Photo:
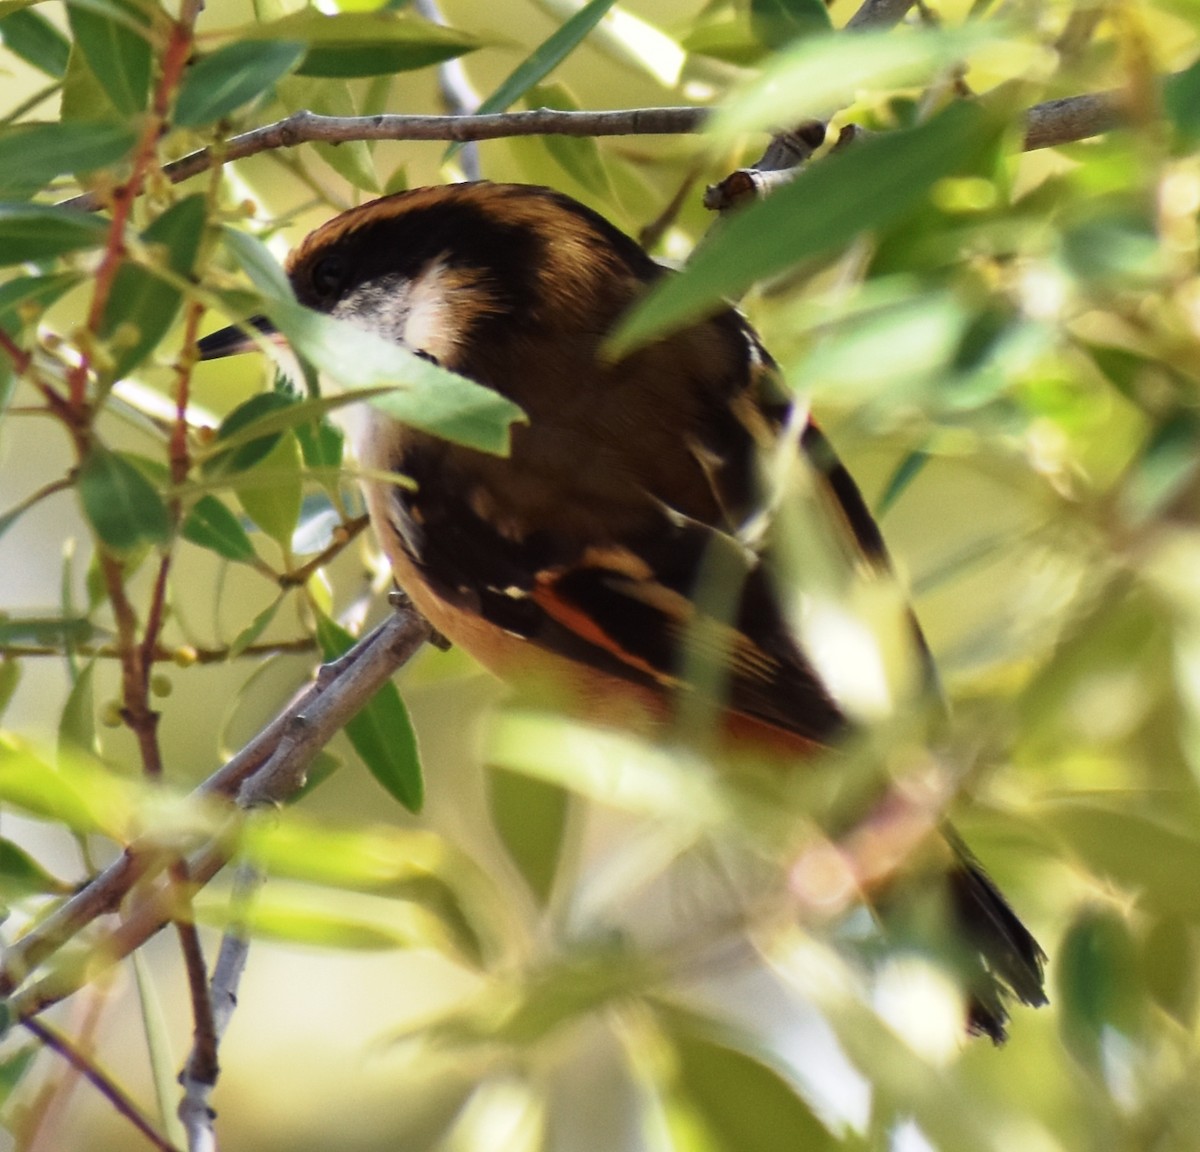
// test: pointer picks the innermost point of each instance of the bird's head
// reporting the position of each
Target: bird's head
(449, 271)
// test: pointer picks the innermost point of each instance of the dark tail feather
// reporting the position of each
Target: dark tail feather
(1002, 957)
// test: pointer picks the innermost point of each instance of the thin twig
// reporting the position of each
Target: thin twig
(186, 655)
(200, 1073)
(276, 760)
(108, 1088)
(343, 535)
(879, 14)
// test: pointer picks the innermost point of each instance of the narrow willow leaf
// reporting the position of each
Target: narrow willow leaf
(365, 43)
(300, 914)
(142, 301)
(77, 725)
(37, 292)
(29, 35)
(578, 156)
(42, 231)
(13, 1069)
(245, 436)
(254, 629)
(779, 22)
(1181, 98)
(32, 155)
(10, 677)
(219, 84)
(117, 49)
(905, 473)
(210, 524)
(163, 1065)
(45, 629)
(381, 733)
(81, 795)
(353, 160)
(271, 493)
(124, 509)
(257, 262)
(423, 395)
(826, 206)
(825, 72)
(543, 60)
(22, 875)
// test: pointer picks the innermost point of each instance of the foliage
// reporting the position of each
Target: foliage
(587, 942)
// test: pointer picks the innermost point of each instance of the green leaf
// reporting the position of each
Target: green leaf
(1098, 985)
(1181, 98)
(271, 492)
(353, 160)
(336, 919)
(22, 875)
(543, 60)
(578, 156)
(210, 524)
(32, 155)
(114, 41)
(141, 300)
(254, 629)
(826, 206)
(256, 261)
(10, 677)
(43, 231)
(77, 726)
(222, 82)
(779, 22)
(45, 629)
(365, 43)
(29, 35)
(13, 1069)
(905, 473)
(742, 1102)
(163, 1065)
(424, 395)
(826, 72)
(249, 433)
(124, 509)
(530, 816)
(36, 292)
(381, 733)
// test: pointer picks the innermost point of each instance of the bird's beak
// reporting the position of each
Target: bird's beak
(236, 339)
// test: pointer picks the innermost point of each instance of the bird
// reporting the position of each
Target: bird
(576, 561)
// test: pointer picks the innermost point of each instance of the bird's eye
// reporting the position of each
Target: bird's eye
(326, 276)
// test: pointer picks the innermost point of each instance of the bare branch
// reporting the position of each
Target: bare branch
(268, 769)
(1070, 119)
(108, 1088)
(458, 94)
(879, 13)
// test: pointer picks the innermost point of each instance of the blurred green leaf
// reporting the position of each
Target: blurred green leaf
(742, 1102)
(365, 43)
(353, 160)
(778, 22)
(244, 436)
(1170, 967)
(32, 155)
(1181, 98)
(163, 1065)
(578, 156)
(114, 38)
(1167, 466)
(299, 914)
(21, 875)
(77, 726)
(256, 261)
(255, 628)
(36, 292)
(142, 301)
(42, 231)
(218, 84)
(210, 524)
(530, 816)
(909, 468)
(825, 72)
(10, 678)
(825, 206)
(122, 506)
(381, 732)
(33, 629)
(29, 35)
(13, 1068)
(542, 60)
(322, 443)
(1098, 986)
(77, 793)
(271, 491)
(424, 395)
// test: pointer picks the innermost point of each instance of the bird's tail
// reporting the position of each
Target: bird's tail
(955, 909)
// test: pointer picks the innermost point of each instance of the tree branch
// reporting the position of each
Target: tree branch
(267, 770)
(879, 14)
